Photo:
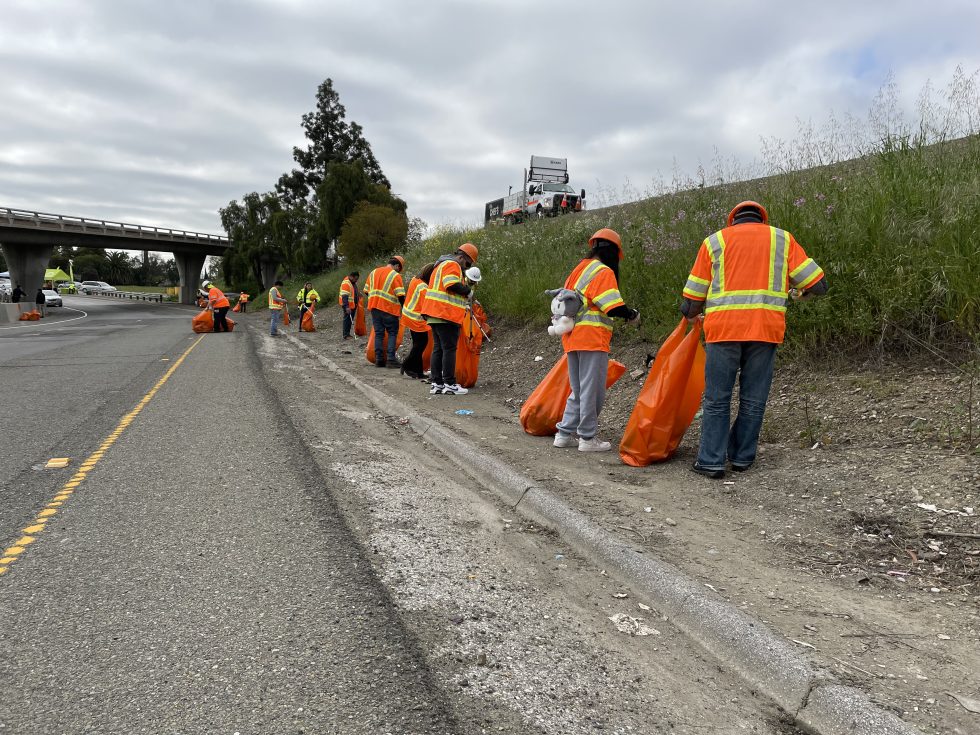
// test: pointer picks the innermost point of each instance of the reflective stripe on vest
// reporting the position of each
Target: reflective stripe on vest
(346, 289)
(772, 298)
(448, 305)
(593, 316)
(384, 292)
(411, 308)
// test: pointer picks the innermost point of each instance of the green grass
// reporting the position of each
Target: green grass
(897, 230)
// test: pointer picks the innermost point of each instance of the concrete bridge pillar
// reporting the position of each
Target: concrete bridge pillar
(269, 269)
(27, 263)
(189, 267)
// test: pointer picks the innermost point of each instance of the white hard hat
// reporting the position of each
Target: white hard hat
(206, 284)
(473, 274)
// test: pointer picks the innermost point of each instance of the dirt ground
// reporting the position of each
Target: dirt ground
(855, 535)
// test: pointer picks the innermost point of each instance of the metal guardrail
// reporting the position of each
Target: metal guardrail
(132, 295)
(10, 217)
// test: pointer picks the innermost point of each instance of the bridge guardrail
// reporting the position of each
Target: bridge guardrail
(132, 295)
(46, 221)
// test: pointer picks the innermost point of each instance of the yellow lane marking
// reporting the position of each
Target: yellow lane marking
(13, 552)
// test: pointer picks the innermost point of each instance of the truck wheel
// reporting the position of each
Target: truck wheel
(539, 213)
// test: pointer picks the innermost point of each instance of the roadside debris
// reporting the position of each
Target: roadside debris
(970, 705)
(633, 626)
(464, 412)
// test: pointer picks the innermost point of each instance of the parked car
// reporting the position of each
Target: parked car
(90, 287)
(51, 298)
(67, 286)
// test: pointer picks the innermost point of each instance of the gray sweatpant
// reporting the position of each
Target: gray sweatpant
(587, 375)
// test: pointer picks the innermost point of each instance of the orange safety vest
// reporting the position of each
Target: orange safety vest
(243, 298)
(217, 299)
(441, 303)
(347, 289)
(273, 295)
(383, 287)
(600, 291)
(743, 274)
(411, 316)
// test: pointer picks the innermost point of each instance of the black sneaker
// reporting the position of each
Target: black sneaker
(379, 364)
(741, 467)
(396, 363)
(713, 474)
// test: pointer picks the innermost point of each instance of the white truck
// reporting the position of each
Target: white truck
(544, 193)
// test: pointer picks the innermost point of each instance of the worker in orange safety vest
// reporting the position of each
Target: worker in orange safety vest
(243, 301)
(219, 304)
(348, 298)
(412, 366)
(586, 346)
(386, 294)
(739, 285)
(444, 308)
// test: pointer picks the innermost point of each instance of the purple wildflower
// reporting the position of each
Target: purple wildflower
(821, 197)
(830, 209)
(799, 202)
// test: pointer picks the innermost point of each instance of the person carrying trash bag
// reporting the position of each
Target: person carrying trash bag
(242, 304)
(277, 308)
(445, 308)
(306, 297)
(219, 304)
(739, 284)
(348, 297)
(586, 346)
(386, 294)
(414, 366)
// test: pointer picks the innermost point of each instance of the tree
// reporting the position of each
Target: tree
(118, 268)
(254, 239)
(372, 230)
(331, 139)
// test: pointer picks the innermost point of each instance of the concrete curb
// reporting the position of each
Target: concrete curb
(765, 660)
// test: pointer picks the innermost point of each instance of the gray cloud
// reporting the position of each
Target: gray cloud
(161, 113)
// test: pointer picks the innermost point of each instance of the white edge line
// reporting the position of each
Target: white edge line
(48, 324)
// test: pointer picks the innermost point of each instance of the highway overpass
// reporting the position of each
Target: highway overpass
(28, 239)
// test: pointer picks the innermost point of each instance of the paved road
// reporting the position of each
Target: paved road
(198, 579)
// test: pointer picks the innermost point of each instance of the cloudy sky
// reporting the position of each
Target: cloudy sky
(162, 112)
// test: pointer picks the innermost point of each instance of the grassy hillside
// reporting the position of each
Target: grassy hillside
(897, 231)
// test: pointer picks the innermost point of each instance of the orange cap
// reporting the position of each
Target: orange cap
(470, 250)
(611, 235)
(400, 259)
(748, 204)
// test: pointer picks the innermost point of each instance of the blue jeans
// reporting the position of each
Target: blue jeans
(753, 363)
(276, 317)
(384, 322)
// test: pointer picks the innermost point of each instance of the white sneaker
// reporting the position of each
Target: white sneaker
(436, 389)
(454, 390)
(564, 440)
(593, 445)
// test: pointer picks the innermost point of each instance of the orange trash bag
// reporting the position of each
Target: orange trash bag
(668, 400)
(30, 316)
(203, 322)
(543, 409)
(369, 350)
(285, 315)
(238, 307)
(360, 326)
(468, 351)
(307, 324)
(231, 323)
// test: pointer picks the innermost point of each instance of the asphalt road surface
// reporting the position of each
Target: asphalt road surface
(239, 545)
(196, 579)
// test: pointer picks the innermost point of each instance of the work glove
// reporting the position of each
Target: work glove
(635, 319)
